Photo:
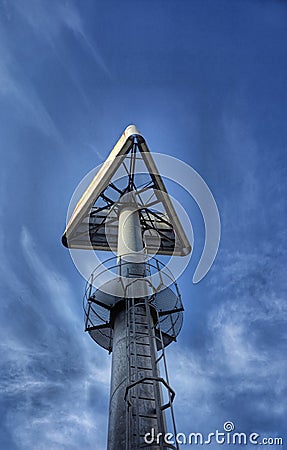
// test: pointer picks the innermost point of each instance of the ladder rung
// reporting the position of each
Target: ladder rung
(140, 397)
(140, 367)
(142, 333)
(148, 416)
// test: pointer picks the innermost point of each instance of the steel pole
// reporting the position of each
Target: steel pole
(131, 265)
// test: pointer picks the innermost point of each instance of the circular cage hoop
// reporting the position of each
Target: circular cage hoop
(163, 298)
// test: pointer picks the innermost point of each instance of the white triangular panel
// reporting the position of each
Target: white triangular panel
(95, 227)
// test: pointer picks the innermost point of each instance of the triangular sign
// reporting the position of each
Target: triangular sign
(129, 167)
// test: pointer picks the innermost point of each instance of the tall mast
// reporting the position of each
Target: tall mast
(132, 305)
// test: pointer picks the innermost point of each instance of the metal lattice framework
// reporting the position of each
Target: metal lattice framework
(98, 228)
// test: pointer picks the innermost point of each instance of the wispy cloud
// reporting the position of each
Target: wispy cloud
(54, 382)
(70, 17)
(43, 25)
(49, 20)
(16, 89)
(238, 371)
(53, 285)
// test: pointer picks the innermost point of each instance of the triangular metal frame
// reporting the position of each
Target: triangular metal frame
(86, 227)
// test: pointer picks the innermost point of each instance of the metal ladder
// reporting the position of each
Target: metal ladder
(146, 407)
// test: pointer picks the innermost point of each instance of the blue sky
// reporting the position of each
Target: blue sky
(205, 81)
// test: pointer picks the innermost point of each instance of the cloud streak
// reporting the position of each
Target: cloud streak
(55, 379)
(16, 90)
(49, 20)
(238, 371)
